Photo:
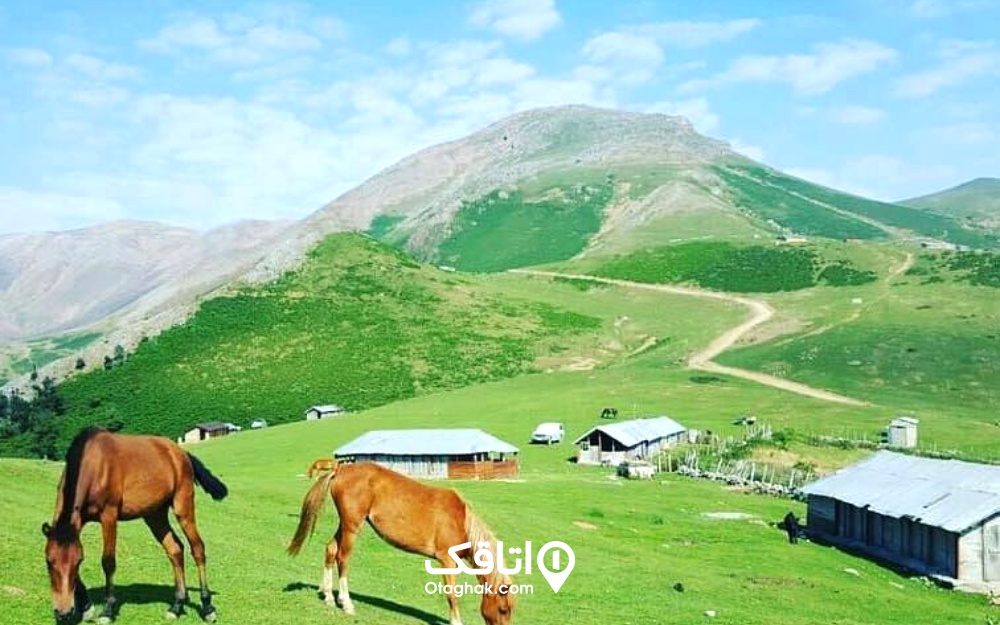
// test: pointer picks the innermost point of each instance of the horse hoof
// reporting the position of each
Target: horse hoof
(104, 620)
(330, 602)
(171, 616)
(349, 608)
(88, 614)
(211, 617)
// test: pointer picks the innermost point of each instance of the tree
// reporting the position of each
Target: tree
(34, 373)
(47, 397)
(119, 355)
(108, 363)
(80, 364)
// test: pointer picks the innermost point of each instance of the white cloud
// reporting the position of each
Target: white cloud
(951, 48)
(952, 72)
(400, 46)
(808, 74)
(959, 135)
(746, 149)
(94, 68)
(43, 210)
(856, 114)
(502, 71)
(526, 20)
(621, 46)
(931, 9)
(30, 57)
(244, 39)
(881, 177)
(696, 110)
(200, 33)
(688, 34)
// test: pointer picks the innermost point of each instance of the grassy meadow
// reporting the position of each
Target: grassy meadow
(633, 541)
(408, 346)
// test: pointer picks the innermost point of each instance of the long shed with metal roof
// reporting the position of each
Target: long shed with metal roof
(937, 517)
(463, 453)
(639, 438)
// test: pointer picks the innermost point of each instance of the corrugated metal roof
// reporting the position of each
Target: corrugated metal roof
(631, 433)
(426, 442)
(950, 494)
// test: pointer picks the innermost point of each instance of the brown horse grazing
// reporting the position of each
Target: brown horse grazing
(115, 477)
(408, 515)
(321, 465)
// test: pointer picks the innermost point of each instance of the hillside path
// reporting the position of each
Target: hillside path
(702, 360)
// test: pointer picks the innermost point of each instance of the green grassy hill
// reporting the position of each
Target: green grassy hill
(976, 203)
(362, 325)
(927, 341)
(736, 268)
(811, 209)
(359, 325)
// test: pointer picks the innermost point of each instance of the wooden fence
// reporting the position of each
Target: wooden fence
(485, 470)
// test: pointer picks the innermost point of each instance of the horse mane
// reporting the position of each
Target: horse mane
(476, 531)
(63, 531)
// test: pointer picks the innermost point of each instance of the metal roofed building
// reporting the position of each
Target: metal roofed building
(435, 453)
(638, 438)
(314, 413)
(937, 517)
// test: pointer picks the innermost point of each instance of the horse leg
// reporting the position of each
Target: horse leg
(345, 543)
(185, 515)
(327, 586)
(109, 530)
(450, 580)
(159, 525)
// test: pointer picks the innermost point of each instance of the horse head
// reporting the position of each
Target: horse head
(497, 606)
(63, 556)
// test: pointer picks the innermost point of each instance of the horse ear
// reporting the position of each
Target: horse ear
(46, 528)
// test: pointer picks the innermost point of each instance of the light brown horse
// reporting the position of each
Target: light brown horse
(321, 465)
(408, 515)
(115, 477)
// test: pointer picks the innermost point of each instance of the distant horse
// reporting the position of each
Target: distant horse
(116, 477)
(408, 515)
(321, 465)
(609, 413)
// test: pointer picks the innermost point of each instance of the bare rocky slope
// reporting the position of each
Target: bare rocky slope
(54, 282)
(423, 192)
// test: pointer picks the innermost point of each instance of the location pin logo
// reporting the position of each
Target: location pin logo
(560, 568)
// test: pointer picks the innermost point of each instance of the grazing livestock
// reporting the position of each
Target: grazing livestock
(117, 477)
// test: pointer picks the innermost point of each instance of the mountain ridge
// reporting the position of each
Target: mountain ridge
(538, 186)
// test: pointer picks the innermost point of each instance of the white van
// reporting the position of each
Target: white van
(548, 433)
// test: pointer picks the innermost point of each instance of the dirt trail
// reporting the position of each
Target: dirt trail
(703, 359)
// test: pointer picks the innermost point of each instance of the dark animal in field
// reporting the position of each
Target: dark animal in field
(609, 413)
(116, 477)
(792, 527)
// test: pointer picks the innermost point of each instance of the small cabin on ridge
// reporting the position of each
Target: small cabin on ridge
(435, 453)
(205, 431)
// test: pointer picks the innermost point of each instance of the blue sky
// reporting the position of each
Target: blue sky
(203, 113)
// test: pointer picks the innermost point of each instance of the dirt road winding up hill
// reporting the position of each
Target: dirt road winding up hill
(702, 360)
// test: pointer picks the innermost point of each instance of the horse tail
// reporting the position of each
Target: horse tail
(312, 505)
(212, 485)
